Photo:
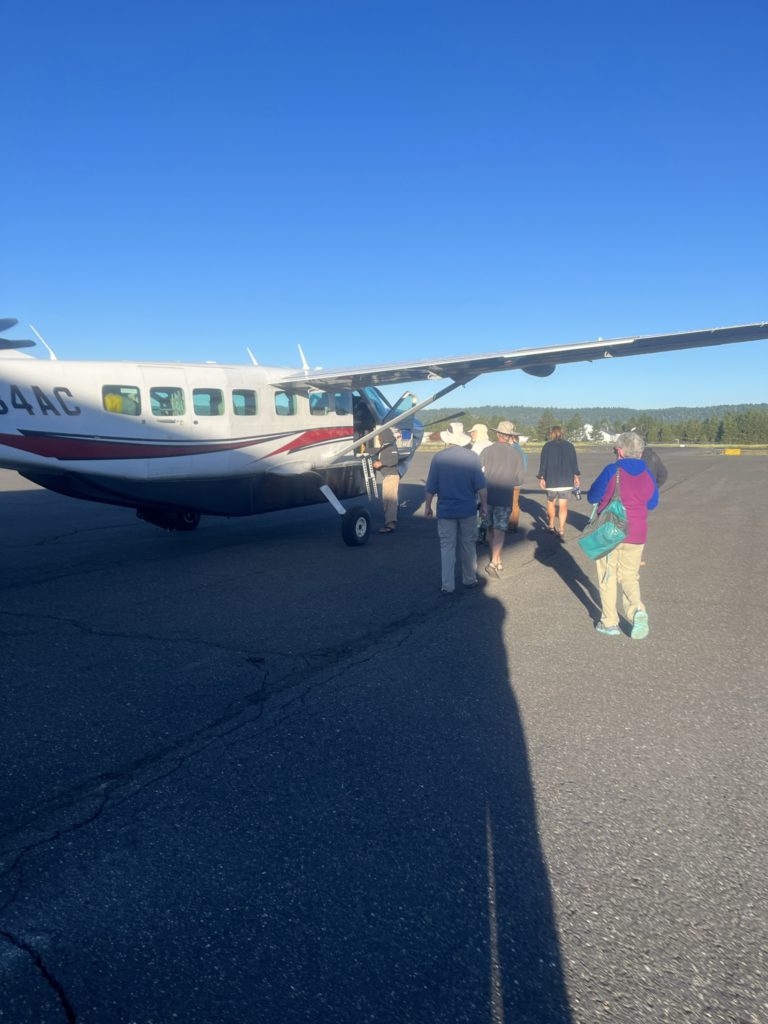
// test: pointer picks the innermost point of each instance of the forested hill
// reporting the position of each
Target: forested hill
(531, 414)
(716, 424)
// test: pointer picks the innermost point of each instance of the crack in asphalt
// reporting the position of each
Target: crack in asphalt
(328, 663)
(131, 635)
(287, 680)
(244, 710)
(47, 974)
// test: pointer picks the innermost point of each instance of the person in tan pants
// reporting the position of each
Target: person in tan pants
(386, 461)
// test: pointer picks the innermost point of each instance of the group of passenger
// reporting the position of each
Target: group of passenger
(475, 474)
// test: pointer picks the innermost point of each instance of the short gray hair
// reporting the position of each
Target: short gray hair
(631, 444)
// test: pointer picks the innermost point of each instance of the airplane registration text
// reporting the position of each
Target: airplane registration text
(16, 399)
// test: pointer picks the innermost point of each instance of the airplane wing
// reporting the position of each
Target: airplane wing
(539, 362)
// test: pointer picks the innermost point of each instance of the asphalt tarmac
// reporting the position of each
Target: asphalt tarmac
(250, 774)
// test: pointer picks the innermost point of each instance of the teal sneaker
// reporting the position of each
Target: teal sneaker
(639, 625)
(608, 630)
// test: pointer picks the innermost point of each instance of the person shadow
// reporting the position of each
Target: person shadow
(404, 873)
(366, 848)
(553, 552)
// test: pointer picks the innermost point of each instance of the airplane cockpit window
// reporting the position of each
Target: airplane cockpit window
(318, 403)
(342, 403)
(121, 398)
(244, 402)
(167, 401)
(285, 403)
(208, 402)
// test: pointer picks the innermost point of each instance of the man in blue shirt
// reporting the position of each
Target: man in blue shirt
(456, 477)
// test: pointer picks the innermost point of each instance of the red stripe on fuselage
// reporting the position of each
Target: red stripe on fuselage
(313, 437)
(59, 446)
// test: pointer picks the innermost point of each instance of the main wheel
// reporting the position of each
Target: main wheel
(356, 526)
(188, 520)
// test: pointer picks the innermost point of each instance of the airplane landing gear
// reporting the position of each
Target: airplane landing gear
(356, 526)
(168, 519)
(355, 523)
(187, 521)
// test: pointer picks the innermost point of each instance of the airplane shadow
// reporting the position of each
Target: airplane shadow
(371, 852)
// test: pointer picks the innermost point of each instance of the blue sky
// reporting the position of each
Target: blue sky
(390, 180)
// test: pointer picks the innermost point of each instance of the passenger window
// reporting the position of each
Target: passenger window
(244, 402)
(167, 401)
(285, 404)
(318, 403)
(342, 401)
(207, 402)
(121, 398)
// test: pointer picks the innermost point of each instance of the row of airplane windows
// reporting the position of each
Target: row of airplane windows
(171, 401)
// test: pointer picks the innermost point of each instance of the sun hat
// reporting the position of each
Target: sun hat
(455, 435)
(505, 427)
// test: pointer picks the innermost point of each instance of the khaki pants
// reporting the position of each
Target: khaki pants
(390, 484)
(463, 532)
(620, 569)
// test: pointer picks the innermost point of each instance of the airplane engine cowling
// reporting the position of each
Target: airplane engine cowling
(540, 370)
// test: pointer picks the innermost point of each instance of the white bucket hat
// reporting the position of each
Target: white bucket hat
(455, 435)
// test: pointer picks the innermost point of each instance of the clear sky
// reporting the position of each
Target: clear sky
(383, 180)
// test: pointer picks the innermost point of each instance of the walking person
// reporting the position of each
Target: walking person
(656, 467)
(386, 461)
(480, 439)
(504, 470)
(652, 459)
(558, 476)
(619, 570)
(456, 478)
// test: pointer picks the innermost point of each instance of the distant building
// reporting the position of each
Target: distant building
(600, 435)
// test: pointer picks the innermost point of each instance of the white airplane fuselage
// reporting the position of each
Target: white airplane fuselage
(212, 439)
(175, 441)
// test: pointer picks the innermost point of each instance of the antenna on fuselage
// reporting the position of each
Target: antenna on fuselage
(51, 353)
(304, 363)
(253, 358)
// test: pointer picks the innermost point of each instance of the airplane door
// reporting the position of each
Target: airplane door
(410, 428)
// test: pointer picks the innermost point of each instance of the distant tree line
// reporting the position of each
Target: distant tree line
(747, 424)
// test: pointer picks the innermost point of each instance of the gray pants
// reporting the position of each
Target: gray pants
(463, 532)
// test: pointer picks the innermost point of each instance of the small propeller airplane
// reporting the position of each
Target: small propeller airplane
(176, 441)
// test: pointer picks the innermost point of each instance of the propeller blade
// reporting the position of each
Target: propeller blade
(445, 419)
(16, 343)
(7, 323)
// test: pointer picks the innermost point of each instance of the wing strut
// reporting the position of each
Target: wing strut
(404, 415)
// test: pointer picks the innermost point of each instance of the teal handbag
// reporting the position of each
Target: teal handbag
(606, 531)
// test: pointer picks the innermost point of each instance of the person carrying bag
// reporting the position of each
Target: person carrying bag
(607, 530)
(623, 494)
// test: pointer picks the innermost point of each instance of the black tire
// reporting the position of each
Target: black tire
(188, 521)
(356, 526)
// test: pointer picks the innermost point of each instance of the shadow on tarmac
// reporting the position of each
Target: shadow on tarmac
(383, 855)
(371, 855)
(553, 553)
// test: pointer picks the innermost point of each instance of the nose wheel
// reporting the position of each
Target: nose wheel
(356, 526)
